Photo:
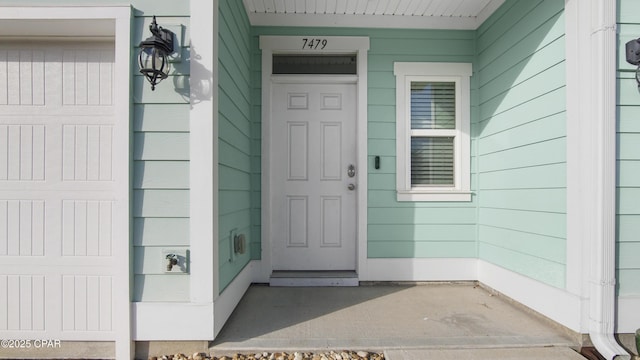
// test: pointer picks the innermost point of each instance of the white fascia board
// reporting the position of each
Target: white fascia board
(65, 12)
(365, 21)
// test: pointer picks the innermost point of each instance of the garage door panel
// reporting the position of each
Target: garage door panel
(67, 75)
(22, 306)
(87, 228)
(87, 152)
(24, 225)
(58, 181)
(87, 77)
(23, 72)
(86, 303)
(22, 152)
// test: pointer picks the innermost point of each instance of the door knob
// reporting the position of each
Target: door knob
(351, 186)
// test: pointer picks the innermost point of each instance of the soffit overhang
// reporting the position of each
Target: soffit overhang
(401, 14)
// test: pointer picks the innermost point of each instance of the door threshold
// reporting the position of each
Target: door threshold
(313, 278)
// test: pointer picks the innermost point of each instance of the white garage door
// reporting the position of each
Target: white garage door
(58, 180)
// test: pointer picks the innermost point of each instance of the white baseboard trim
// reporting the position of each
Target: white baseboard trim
(420, 270)
(188, 321)
(310, 282)
(628, 316)
(230, 297)
(261, 271)
(565, 309)
(171, 321)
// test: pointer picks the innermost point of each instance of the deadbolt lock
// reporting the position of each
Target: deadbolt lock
(351, 171)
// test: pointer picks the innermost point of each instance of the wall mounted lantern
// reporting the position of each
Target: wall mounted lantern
(153, 58)
(633, 56)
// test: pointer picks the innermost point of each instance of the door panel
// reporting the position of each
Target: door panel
(313, 209)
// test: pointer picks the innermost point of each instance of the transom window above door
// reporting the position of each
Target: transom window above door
(432, 131)
(298, 64)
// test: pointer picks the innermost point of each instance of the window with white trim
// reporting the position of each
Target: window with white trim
(432, 131)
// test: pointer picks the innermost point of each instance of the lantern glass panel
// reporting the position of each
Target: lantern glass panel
(153, 59)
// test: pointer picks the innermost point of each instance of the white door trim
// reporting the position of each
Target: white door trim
(335, 44)
(115, 21)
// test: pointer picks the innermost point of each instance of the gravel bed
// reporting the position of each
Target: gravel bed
(327, 355)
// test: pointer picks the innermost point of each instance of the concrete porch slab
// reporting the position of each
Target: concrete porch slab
(401, 318)
(552, 353)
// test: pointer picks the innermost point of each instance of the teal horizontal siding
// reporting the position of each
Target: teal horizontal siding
(536, 131)
(628, 155)
(161, 118)
(424, 230)
(166, 288)
(160, 146)
(541, 269)
(628, 11)
(542, 177)
(536, 199)
(410, 229)
(422, 249)
(422, 233)
(628, 227)
(161, 171)
(548, 152)
(161, 231)
(529, 243)
(552, 102)
(528, 27)
(161, 174)
(235, 142)
(522, 140)
(517, 94)
(161, 203)
(545, 224)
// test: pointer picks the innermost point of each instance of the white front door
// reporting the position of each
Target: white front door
(313, 198)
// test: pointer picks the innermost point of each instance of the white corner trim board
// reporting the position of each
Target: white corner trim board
(203, 152)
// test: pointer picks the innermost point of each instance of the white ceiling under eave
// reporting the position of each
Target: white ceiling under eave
(402, 14)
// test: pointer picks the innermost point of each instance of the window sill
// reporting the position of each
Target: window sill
(420, 195)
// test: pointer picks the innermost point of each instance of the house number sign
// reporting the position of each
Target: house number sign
(314, 44)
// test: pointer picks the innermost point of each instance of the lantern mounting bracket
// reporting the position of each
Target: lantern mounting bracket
(162, 38)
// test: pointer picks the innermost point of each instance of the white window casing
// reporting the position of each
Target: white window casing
(458, 74)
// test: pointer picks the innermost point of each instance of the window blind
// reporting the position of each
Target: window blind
(433, 105)
(432, 161)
